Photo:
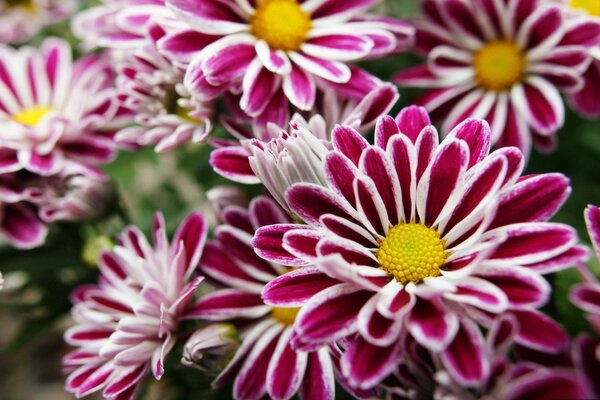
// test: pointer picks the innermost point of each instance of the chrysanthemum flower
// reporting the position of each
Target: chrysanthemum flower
(152, 87)
(126, 324)
(21, 19)
(55, 112)
(409, 234)
(265, 362)
(586, 100)
(421, 374)
(293, 45)
(504, 61)
(231, 159)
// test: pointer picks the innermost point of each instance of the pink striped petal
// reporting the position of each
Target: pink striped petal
(232, 163)
(286, 369)
(295, 288)
(465, 357)
(587, 297)
(531, 323)
(349, 142)
(534, 198)
(481, 294)
(300, 88)
(333, 71)
(366, 365)
(215, 17)
(275, 61)
(476, 133)
(22, 227)
(545, 383)
(523, 287)
(541, 105)
(318, 382)
(229, 303)
(432, 324)
(592, 221)
(376, 328)
(585, 100)
(191, 234)
(411, 121)
(311, 201)
(331, 314)
(268, 244)
(528, 243)
(375, 163)
(338, 46)
(258, 86)
(443, 179)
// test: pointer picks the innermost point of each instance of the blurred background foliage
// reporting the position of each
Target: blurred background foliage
(34, 307)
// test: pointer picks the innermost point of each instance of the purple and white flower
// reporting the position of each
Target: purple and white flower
(414, 235)
(504, 61)
(21, 19)
(127, 323)
(232, 158)
(152, 87)
(291, 47)
(265, 363)
(55, 112)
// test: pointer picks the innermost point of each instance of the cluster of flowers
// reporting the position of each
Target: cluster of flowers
(409, 268)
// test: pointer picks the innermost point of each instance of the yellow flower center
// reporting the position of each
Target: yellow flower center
(592, 7)
(32, 116)
(411, 252)
(285, 315)
(184, 114)
(281, 23)
(499, 65)
(28, 4)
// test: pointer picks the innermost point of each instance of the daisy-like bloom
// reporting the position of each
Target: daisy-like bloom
(118, 24)
(20, 223)
(152, 87)
(586, 100)
(295, 46)
(265, 362)
(231, 159)
(126, 324)
(21, 19)
(412, 234)
(421, 374)
(504, 61)
(55, 112)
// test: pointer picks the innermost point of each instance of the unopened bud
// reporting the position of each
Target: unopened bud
(210, 348)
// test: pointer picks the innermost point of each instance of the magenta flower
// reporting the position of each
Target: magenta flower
(55, 112)
(126, 324)
(20, 20)
(152, 87)
(409, 234)
(586, 100)
(231, 159)
(421, 374)
(268, 45)
(265, 362)
(503, 61)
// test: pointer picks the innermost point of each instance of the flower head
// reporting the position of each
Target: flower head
(292, 47)
(152, 87)
(21, 19)
(504, 61)
(64, 112)
(233, 160)
(412, 234)
(265, 363)
(126, 324)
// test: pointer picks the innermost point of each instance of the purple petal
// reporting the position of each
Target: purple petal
(295, 288)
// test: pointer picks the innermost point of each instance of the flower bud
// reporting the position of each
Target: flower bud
(210, 348)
